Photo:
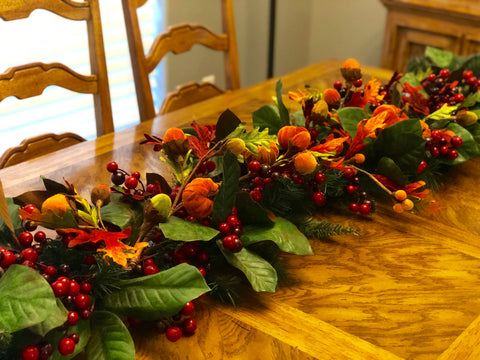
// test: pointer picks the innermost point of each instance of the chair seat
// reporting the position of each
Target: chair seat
(38, 146)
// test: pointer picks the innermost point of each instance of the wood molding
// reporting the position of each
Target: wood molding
(14, 10)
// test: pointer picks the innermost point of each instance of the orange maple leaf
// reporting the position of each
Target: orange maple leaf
(410, 189)
(331, 144)
(114, 248)
(366, 128)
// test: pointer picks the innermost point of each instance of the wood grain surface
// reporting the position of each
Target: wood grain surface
(406, 287)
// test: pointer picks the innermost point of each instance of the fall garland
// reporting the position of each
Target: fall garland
(147, 248)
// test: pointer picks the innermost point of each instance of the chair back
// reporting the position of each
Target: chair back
(30, 80)
(179, 39)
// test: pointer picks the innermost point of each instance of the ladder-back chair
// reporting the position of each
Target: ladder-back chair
(31, 79)
(179, 39)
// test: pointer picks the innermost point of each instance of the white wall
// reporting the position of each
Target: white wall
(307, 31)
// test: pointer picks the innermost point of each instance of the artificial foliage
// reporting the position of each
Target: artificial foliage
(76, 272)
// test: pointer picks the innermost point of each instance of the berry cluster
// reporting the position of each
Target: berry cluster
(262, 178)
(442, 90)
(231, 231)
(130, 182)
(438, 145)
(363, 205)
(402, 202)
(180, 325)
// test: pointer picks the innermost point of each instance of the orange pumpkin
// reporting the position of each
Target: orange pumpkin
(299, 137)
(197, 196)
(305, 163)
(331, 96)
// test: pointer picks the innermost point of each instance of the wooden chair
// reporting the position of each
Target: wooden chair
(30, 80)
(38, 146)
(179, 39)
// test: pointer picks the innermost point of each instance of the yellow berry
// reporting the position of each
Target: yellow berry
(359, 158)
(407, 204)
(398, 208)
(400, 195)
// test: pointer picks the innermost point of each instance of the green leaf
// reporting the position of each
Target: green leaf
(442, 58)
(471, 99)
(54, 187)
(261, 275)
(225, 199)
(6, 237)
(350, 117)
(284, 115)
(181, 230)
(253, 138)
(55, 318)
(82, 329)
(283, 233)
(110, 338)
(26, 299)
(299, 118)
(475, 130)
(123, 214)
(267, 117)
(469, 148)
(387, 167)
(402, 142)
(159, 295)
(227, 122)
(251, 212)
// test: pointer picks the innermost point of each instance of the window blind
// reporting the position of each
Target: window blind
(58, 110)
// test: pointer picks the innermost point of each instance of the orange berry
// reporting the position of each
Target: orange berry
(400, 195)
(359, 158)
(398, 208)
(305, 163)
(407, 204)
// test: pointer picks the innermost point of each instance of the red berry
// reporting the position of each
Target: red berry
(436, 135)
(422, 167)
(178, 254)
(40, 236)
(351, 189)
(444, 73)
(85, 288)
(358, 83)
(337, 85)
(151, 188)
(60, 289)
(190, 249)
(29, 208)
(453, 154)
(112, 167)
(435, 151)
(431, 77)
(298, 179)
(202, 256)
(459, 98)
(136, 175)
(354, 207)
(224, 228)
(228, 242)
(66, 346)
(8, 259)
(29, 254)
(90, 260)
(85, 314)
(472, 80)
(50, 270)
(72, 318)
(258, 182)
(313, 133)
(74, 337)
(318, 197)
(30, 352)
(254, 166)
(189, 326)
(74, 288)
(148, 262)
(131, 182)
(365, 209)
(190, 218)
(256, 195)
(233, 221)
(456, 141)
(210, 165)
(150, 270)
(444, 150)
(25, 238)
(173, 333)
(320, 178)
(348, 173)
(82, 301)
(188, 309)
(467, 74)
(202, 271)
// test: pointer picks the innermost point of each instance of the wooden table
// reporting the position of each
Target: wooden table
(408, 287)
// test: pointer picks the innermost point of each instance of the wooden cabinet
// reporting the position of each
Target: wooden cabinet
(411, 25)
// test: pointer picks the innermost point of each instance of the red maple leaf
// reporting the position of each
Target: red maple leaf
(415, 99)
(200, 144)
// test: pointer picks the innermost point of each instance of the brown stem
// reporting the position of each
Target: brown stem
(374, 179)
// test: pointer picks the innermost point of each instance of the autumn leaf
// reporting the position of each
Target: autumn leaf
(410, 189)
(415, 99)
(200, 144)
(114, 248)
(331, 144)
(366, 128)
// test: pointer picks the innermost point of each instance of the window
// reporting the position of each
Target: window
(59, 110)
